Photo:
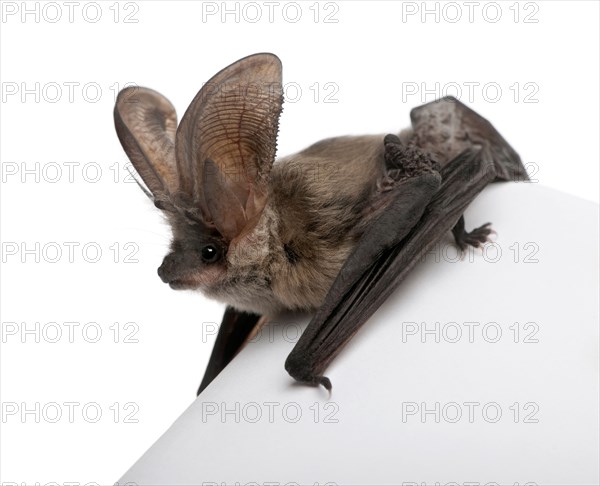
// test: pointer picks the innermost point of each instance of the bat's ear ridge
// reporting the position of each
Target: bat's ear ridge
(146, 124)
(222, 206)
(226, 142)
(231, 216)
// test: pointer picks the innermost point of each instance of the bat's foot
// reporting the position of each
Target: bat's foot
(475, 238)
(300, 370)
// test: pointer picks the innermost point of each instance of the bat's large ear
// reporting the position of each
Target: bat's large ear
(146, 124)
(226, 143)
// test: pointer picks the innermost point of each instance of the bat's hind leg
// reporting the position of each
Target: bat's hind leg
(401, 160)
(474, 238)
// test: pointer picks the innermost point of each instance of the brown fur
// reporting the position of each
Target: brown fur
(317, 199)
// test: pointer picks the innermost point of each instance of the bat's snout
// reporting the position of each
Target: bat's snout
(174, 271)
(185, 270)
(166, 270)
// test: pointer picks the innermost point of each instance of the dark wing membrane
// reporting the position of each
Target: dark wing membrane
(363, 286)
(236, 328)
(146, 124)
(446, 127)
(416, 182)
(233, 123)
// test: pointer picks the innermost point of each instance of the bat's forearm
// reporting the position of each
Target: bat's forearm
(351, 301)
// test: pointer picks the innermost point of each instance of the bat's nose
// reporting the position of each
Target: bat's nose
(163, 274)
(168, 271)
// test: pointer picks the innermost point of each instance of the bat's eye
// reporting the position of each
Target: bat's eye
(210, 254)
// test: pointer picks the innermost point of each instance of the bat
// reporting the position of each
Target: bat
(333, 229)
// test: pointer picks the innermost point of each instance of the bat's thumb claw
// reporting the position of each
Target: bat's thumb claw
(300, 368)
(393, 139)
(326, 382)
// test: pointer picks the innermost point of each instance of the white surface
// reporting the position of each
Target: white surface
(243, 428)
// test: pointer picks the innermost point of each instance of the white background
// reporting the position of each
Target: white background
(374, 56)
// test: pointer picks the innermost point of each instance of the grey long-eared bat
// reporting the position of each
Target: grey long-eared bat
(333, 229)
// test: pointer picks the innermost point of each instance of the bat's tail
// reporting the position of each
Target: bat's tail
(446, 127)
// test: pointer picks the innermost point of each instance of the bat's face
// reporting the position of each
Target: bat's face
(197, 260)
(237, 272)
(209, 173)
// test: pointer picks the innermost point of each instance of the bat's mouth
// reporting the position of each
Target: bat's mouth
(182, 284)
(171, 274)
(175, 271)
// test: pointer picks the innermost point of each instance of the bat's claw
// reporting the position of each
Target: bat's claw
(480, 235)
(300, 369)
(326, 382)
(475, 238)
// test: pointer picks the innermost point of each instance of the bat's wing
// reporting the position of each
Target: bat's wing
(236, 328)
(420, 214)
(471, 154)
(444, 128)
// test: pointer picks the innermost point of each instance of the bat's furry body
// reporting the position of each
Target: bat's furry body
(319, 200)
(334, 228)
